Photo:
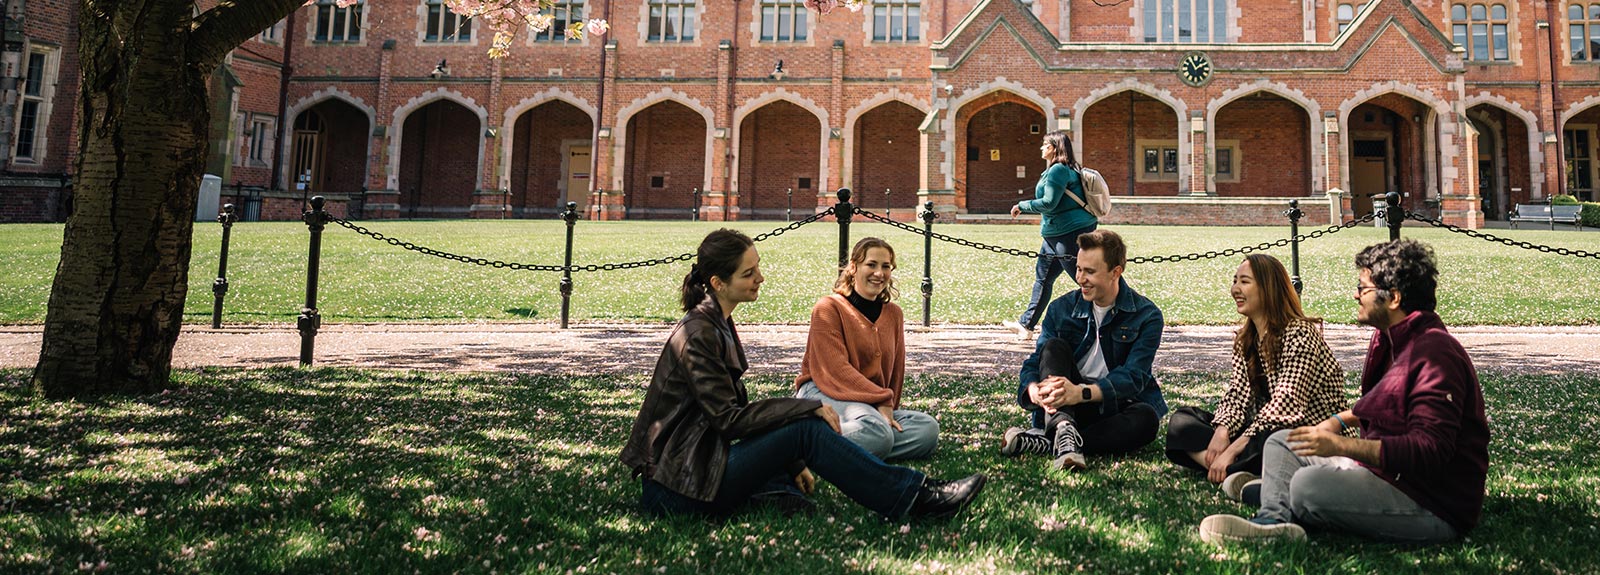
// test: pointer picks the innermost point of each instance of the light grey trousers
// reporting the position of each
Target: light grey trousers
(863, 425)
(1337, 493)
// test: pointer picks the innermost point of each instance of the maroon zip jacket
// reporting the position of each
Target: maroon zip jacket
(1420, 397)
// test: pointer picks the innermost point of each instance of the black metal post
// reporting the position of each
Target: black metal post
(310, 320)
(1394, 214)
(886, 202)
(695, 215)
(788, 212)
(219, 287)
(571, 217)
(842, 212)
(927, 262)
(1294, 214)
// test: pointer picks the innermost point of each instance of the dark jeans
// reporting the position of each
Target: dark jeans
(1190, 429)
(1045, 271)
(760, 462)
(1125, 428)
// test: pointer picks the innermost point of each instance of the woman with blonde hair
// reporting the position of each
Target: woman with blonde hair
(1284, 376)
(855, 360)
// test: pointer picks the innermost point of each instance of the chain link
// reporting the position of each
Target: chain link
(1507, 241)
(497, 264)
(1138, 260)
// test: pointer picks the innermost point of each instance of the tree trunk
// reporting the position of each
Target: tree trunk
(116, 305)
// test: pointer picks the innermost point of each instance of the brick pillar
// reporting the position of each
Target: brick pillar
(382, 198)
(1332, 165)
(489, 201)
(1459, 203)
(932, 169)
(835, 178)
(719, 202)
(1200, 173)
(606, 201)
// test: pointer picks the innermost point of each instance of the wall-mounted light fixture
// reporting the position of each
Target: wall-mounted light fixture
(777, 71)
(605, 132)
(1064, 120)
(948, 90)
(1549, 137)
(720, 133)
(835, 133)
(491, 132)
(440, 71)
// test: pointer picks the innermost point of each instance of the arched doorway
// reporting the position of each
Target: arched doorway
(550, 159)
(439, 160)
(664, 162)
(329, 151)
(887, 149)
(1388, 146)
(1000, 162)
(778, 155)
(1580, 143)
(1503, 163)
(1261, 148)
(1133, 141)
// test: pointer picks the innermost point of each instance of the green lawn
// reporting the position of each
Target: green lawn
(365, 280)
(339, 471)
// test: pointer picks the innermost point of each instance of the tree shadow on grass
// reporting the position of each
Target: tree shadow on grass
(284, 470)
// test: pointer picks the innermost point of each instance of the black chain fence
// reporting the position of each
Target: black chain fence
(497, 264)
(1507, 241)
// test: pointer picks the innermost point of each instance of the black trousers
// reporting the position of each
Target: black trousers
(1126, 427)
(1190, 429)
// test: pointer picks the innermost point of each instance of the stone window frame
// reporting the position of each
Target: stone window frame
(798, 7)
(1462, 24)
(686, 7)
(274, 33)
(869, 23)
(316, 17)
(1235, 161)
(1590, 23)
(1141, 21)
(463, 24)
(1142, 147)
(43, 100)
(1342, 22)
(547, 38)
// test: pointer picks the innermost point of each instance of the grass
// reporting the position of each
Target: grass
(342, 471)
(364, 280)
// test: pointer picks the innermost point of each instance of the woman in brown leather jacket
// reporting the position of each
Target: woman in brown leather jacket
(702, 447)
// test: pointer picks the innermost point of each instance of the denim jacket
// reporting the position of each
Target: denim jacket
(1129, 339)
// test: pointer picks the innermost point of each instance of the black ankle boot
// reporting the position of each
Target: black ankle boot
(939, 498)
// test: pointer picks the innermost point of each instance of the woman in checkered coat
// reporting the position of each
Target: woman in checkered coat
(1284, 376)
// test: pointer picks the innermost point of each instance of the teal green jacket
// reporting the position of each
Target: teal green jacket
(1060, 214)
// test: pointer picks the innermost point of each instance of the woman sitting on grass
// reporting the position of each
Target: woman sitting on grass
(855, 360)
(1284, 376)
(701, 445)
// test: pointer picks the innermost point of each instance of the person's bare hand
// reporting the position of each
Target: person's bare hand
(1015, 211)
(1318, 441)
(1217, 470)
(1219, 443)
(829, 415)
(888, 414)
(805, 481)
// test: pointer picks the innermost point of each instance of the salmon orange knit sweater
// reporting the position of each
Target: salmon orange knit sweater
(852, 359)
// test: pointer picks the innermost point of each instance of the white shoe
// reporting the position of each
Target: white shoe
(1022, 331)
(1220, 529)
(1068, 448)
(1234, 484)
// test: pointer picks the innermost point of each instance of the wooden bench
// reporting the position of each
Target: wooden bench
(1546, 214)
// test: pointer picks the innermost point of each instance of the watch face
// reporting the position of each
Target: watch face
(1195, 69)
(1087, 393)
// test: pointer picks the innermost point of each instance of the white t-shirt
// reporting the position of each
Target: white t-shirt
(1093, 366)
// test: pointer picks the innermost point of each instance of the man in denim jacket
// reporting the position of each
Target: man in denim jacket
(1089, 383)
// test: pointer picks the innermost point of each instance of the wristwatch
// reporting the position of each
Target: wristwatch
(1088, 393)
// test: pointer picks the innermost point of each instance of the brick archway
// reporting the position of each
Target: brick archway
(997, 138)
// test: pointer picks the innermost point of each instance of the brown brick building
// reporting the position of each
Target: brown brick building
(1196, 111)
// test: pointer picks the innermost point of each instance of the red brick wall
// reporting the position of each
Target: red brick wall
(536, 155)
(1274, 147)
(439, 161)
(887, 146)
(992, 185)
(344, 141)
(1187, 214)
(777, 147)
(666, 140)
(1104, 129)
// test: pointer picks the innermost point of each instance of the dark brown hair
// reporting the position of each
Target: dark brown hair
(1061, 144)
(1109, 243)
(847, 275)
(1280, 303)
(718, 256)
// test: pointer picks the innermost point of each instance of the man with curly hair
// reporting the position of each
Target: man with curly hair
(1416, 473)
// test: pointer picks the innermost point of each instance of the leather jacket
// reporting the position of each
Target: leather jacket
(696, 407)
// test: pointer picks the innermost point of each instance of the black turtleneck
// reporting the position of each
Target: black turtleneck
(869, 308)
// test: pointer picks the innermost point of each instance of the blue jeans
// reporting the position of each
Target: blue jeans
(863, 425)
(1047, 269)
(1339, 494)
(759, 461)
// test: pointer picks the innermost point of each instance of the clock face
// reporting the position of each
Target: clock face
(1195, 69)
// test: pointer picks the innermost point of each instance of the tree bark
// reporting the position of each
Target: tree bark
(116, 305)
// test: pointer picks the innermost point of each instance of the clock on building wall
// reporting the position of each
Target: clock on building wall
(1195, 69)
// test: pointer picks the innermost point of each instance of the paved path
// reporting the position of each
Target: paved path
(615, 348)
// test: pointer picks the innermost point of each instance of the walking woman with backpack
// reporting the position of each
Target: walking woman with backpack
(1066, 211)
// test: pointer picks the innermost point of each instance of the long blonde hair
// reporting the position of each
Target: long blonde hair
(1281, 305)
(845, 285)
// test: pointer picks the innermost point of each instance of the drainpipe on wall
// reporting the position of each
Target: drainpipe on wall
(1555, 102)
(283, 100)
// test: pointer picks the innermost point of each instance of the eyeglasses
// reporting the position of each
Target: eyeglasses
(1362, 290)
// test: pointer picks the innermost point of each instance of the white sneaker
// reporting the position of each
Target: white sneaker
(1220, 529)
(1022, 331)
(1234, 484)
(1068, 448)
